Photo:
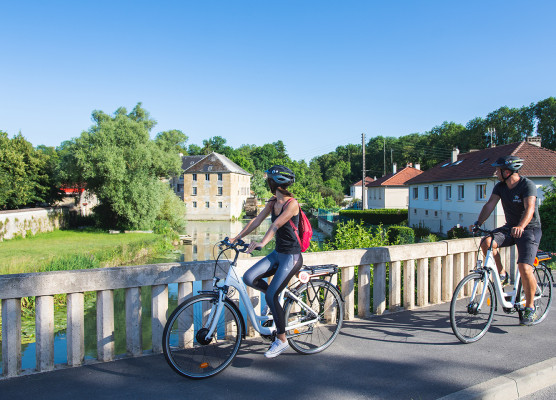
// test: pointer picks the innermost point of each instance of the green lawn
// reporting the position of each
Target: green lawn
(43, 251)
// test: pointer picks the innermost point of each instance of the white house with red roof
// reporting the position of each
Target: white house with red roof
(454, 191)
(356, 188)
(391, 190)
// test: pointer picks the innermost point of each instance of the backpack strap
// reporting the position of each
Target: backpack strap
(295, 228)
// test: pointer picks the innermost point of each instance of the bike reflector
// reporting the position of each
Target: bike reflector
(204, 365)
(304, 276)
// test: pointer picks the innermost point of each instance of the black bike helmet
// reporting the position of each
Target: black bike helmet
(512, 163)
(283, 176)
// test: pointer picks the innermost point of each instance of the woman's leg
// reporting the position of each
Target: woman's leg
(289, 265)
(262, 269)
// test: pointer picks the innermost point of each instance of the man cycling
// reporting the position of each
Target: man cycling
(522, 228)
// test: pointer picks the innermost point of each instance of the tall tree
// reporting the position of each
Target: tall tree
(545, 114)
(122, 166)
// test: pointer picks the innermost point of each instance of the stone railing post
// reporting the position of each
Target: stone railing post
(458, 271)
(379, 288)
(348, 292)
(105, 325)
(159, 311)
(409, 284)
(395, 285)
(75, 329)
(44, 328)
(364, 291)
(11, 337)
(422, 282)
(436, 280)
(133, 316)
(447, 278)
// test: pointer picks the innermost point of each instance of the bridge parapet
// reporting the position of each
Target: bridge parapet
(430, 272)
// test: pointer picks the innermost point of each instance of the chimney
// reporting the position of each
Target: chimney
(534, 140)
(455, 153)
(394, 167)
(418, 166)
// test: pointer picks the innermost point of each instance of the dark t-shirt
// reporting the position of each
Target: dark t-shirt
(512, 202)
(286, 239)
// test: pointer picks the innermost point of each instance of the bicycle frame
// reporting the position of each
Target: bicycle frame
(256, 320)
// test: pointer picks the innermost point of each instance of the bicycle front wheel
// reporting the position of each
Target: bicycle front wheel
(469, 321)
(185, 345)
(326, 302)
(543, 293)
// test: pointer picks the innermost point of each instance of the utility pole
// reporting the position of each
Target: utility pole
(384, 153)
(363, 181)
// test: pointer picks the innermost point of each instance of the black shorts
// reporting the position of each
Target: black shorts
(527, 244)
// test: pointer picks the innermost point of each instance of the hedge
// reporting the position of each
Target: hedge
(401, 234)
(385, 216)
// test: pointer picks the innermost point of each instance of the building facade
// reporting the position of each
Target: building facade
(212, 187)
(391, 190)
(454, 192)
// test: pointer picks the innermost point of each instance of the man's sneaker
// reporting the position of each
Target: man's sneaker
(505, 279)
(276, 348)
(528, 317)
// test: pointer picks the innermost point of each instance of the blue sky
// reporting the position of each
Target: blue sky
(315, 74)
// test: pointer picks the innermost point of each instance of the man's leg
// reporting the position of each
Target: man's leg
(529, 283)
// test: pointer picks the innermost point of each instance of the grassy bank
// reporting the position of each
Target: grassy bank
(74, 249)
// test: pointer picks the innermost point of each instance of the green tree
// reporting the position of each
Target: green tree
(548, 217)
(545, 114)
(123, 167)
(172, 141)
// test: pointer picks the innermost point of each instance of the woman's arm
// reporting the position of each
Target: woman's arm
(255, 222)
(291, 210)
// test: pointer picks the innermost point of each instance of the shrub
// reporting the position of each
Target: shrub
(421, 230)
(430, 238)
(387, 216)
(352, 235)
(458, 232)
(401, 235)
(548, 217)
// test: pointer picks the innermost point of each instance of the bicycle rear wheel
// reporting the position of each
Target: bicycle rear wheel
(469, 322)
(184, 341)
(324, 299)
(543, 293)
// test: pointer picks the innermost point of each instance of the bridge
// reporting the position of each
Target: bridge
(396, 341)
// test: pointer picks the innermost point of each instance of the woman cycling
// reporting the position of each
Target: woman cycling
(286, 260)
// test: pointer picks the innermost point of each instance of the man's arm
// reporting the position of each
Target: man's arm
(529, 204)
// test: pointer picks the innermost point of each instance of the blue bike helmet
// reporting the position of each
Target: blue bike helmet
(283, 176)
(512, 163)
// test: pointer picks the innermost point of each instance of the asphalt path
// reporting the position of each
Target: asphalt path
(403, 355)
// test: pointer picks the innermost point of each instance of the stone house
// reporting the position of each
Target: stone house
(391, 191)
(453, 192)
(212, 186)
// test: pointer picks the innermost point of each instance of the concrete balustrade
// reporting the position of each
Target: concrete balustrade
(418, 275)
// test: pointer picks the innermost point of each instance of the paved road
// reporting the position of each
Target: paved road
(405, 355)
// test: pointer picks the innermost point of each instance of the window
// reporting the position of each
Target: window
(220, 191)
(220, 176)
(194, 177)
(207, 204)
(481, 191)
(436, 213)
(207, 177)
(448, 216)
(435, 193)
(426, 212)
(194, 192)
(461, 217)
(219, 204)
(415, 193)
(414, 211)
(194, 204)
(461, 192)
(426, 192)
(449, 192)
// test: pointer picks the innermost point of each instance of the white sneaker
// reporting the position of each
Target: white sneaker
(276, 348)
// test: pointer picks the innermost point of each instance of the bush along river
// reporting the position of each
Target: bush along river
(204, 236)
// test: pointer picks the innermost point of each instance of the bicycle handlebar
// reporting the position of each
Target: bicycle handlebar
(239, 246)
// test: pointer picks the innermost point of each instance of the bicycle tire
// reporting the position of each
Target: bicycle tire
(183, 342)
(469, 323)
(314, 338)
(543, 295)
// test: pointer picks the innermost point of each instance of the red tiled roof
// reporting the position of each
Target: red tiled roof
(367, 181)
(538, 162)
(398, 179)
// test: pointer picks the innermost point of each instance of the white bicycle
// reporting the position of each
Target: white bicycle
(204, 333)
(478, 294)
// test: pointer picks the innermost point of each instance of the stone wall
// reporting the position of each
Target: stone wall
(30, 221)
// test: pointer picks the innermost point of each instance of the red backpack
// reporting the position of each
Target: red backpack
(303, 231)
